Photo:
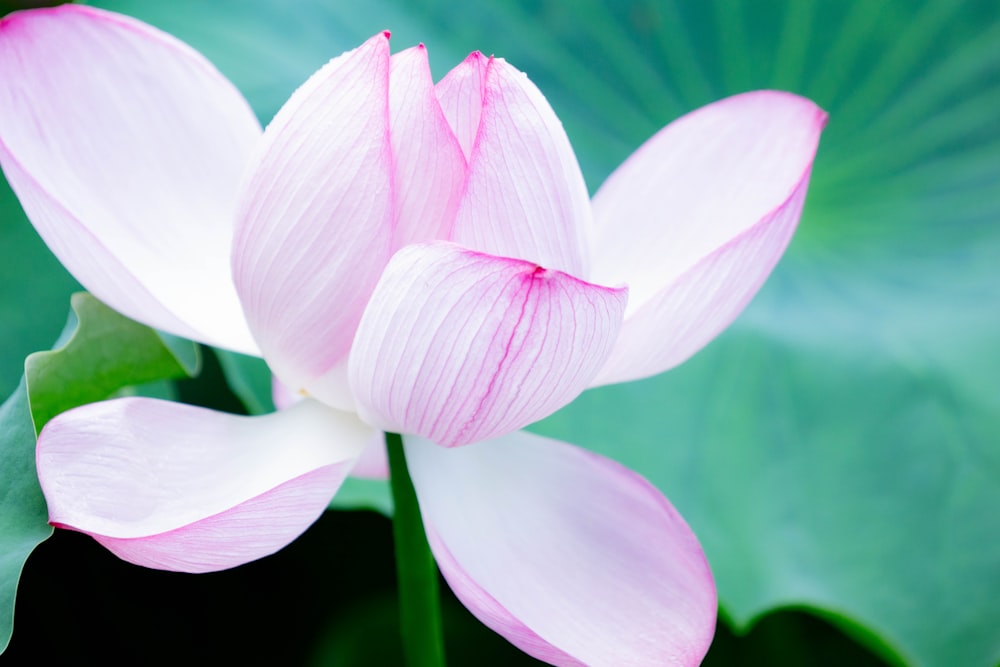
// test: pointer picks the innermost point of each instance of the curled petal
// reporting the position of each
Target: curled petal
(459, 346)
(126, 148)
(695, 220)
(175, 487)
(315, 221)
(573, 558)
(525, 195)
(429, 167)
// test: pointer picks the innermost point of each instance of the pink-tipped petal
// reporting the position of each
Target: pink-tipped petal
(315, 221)
(698, 305)
(695, 220)
(460, 93)
(459, 346)
(525, 195)
(126, 148)
(573, 558)
(177, 487)
(429, 164)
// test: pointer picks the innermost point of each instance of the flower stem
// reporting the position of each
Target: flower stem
(419, 603)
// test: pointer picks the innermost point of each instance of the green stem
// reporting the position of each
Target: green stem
(419, 603)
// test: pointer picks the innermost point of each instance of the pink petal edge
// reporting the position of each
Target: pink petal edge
(252, 529)
(460, 93)
(429, 167)
(174, 486)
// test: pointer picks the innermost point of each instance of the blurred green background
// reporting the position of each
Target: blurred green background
(837, 450)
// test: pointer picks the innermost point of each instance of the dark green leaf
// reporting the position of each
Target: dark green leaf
(363, 494)
(107, 351)
(99, 353)
(23, 517)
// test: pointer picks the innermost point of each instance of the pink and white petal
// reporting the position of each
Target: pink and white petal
(172, 486)
(126, 148)
(525, 196)
(460, 93)
(724, 181)
(459, 346)
(573, 558)
(429, 164)
(251, 530)
(373, 463)
(314, 228)
(282, 396)
(687, 314)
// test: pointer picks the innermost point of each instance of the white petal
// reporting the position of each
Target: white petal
(695, 220)
(570, 556)
(315, 222)
(525, 196)
(178, 487)
(428, 164)
(126, 148)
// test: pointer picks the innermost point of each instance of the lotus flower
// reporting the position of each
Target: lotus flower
(409, 257)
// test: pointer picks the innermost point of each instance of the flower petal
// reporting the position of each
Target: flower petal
(315, 224)
(459, 346)
(695, 220)
(282, 396)
(372, 462)
(573, 558)
(460, 93)
(126, 148)
(429, 164)
(176, 487)
(699, 304)
(525, 196)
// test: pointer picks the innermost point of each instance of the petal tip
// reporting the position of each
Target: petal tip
(822, 117)
(819, 115)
